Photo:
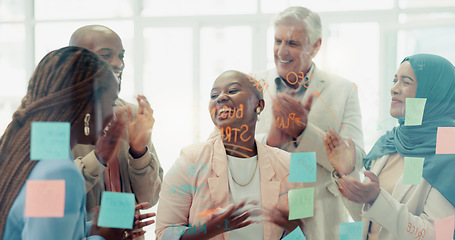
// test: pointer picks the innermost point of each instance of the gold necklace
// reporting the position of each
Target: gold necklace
(254, 173)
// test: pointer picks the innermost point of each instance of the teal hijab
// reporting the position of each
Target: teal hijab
(435, 82)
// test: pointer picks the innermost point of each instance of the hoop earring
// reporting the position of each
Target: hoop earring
(87, 124)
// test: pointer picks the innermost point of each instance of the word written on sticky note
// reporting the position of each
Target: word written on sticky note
(296, 234)
(351, 231)
(444, 228)
(414, 111)
(445, 140)
(303, 167)
(45, 198)
(116, 210)
(50, 141)
(413, 168)
(301, 203)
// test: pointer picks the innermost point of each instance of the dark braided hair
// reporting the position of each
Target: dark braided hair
(65, 86)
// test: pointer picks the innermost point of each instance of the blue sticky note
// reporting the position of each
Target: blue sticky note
(414, 111)
(50, 141)
(303, 167)
(301, 203)
(413, 169)
(117, 210)
(297, 234)
(351, 231)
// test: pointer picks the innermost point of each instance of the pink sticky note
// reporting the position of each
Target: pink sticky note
(45, 198)
(444, 228)
(445, 140)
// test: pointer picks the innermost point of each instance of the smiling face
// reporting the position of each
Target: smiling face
(404, 86)
(231, 92)
(292, 49)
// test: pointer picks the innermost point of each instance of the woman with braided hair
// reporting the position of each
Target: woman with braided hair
(69, 85)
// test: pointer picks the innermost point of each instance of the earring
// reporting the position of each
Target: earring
(258, 110)
(87, 124)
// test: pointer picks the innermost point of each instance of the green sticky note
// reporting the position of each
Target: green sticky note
(351, 231)
(413, 168)
(301, 203)
(296, 234)
(50, 141)
(117, 210)
(303, 167)
(414, 111)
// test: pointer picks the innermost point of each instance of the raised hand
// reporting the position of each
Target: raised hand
(293, 112)
(340, 155)
(140, 130)
(140, 221)
(108, 142)
(359, 192)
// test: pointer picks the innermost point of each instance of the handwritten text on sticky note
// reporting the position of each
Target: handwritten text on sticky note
(50, 141)
(45, 198)
(301, 203)
(117, 210)
(303, 167)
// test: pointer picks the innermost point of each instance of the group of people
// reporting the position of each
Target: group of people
(235, 185)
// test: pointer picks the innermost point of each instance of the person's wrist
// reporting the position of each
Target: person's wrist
(100, 160)
(138, 153)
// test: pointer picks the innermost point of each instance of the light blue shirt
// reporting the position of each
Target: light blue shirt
(71, 226)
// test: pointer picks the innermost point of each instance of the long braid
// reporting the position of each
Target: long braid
(64, 87)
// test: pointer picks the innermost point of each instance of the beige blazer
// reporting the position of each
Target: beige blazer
(198, 181)
(335, 105)
(408, 213)
(141, 176)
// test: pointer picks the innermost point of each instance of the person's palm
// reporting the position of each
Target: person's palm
(341, 156)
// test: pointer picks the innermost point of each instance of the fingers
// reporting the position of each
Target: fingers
(143, 205)
(308, 102)
(373, 178)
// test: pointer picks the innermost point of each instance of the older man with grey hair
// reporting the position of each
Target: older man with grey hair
(303, 103)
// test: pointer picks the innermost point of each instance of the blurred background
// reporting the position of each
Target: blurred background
(176, 48)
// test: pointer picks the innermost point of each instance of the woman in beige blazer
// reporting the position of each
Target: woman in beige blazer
(225, 183)
(392, 208)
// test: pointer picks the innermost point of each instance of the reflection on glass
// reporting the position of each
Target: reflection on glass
(11, 10)
(437, 40)
(13, 80)
(197, 7)
(222, 49)
(168, 84)
(82, 9)
(426, 3)
(51, 36)
(273, 6)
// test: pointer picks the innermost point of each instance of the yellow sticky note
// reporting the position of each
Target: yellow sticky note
(301, 203)
(413, 168)
(45, 198)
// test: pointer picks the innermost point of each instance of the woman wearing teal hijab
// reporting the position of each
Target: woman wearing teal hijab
(391, 209)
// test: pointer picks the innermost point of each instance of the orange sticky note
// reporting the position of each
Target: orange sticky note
(444, 228)
(45, 198)
(445, 140)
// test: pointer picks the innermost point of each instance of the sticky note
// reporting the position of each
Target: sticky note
(303, 167)
(351, 231)
(444, 228)
(413, 168)
(50, 141)
(117, 210)
(414, 111)
(445, 140)
(44, 198)
(296, 234)
(301, 203)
